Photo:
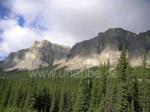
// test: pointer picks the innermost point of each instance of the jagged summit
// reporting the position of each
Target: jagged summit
(40, 44)
(41, 54)
(46, 43)
(106, 46)
(115, 30)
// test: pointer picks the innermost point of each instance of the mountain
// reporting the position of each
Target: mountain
(41, 54)
(106, 46)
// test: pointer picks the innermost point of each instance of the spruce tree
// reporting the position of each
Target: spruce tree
(6, 95)
(121, 93)
(95, 96)
(132, 106)
(54, 104)
(101, 107)
(145, 85)
(99, 88)
(130, 85)
(82, 100)
(62, 102)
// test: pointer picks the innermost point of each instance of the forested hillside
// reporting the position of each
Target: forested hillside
(119, 89)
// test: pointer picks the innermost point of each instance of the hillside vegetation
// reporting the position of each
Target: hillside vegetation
(100, 89)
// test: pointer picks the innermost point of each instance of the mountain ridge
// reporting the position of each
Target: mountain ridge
(40, 54)
(106, 46)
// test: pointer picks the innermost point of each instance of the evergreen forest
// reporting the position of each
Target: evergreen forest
(113, 89)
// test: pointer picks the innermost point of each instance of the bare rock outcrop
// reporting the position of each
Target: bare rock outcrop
(41, 54)
(107, 46)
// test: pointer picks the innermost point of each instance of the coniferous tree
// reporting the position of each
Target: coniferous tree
(31, 96)
(82, 100)
(95, 96)
(129, 92)
(121, 93)
(132, 107)
(54, 104)
(101, 107)
(62, 102)
(136, 95)
(145, 85)
(99, 89)
(6, 95)
(130, 85)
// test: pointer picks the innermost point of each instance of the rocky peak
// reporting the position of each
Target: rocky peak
(108, 45)
(41, 54)
(119, 32)
(42, 43)
(115, 30)
(45, 43)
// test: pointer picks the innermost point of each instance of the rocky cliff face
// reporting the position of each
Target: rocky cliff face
(41, 54)
(107, 46)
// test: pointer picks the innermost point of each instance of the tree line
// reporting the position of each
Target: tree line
(123, 89)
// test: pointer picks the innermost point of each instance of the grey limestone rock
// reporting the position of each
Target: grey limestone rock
(107, 46)
(41, 54)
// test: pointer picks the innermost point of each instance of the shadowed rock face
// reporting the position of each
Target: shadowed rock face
(41, 54)
(107, 46)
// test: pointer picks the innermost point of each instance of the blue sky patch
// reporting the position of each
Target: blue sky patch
(35, 24)
(4, 11)
(21, 21)
(1, 31)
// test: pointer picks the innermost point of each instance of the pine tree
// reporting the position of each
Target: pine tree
(110, 90)
(101, 107)
(54, 104)
(31, 96)
(62, 102)
(145, 85)
(46, 100)
(6, 95)
(136, 95)
(82, 101)
(130, 85)
(99, 88)
(132, 106)
(121, 95)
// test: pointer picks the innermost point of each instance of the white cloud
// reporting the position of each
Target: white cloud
(85, 18)
(9, 24)
(70, 21)
(59, 38)
(28, 8)
(15, 37)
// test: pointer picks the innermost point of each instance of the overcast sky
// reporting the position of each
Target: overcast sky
(66, 21)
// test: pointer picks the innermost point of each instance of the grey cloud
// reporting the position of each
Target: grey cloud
(84, 19)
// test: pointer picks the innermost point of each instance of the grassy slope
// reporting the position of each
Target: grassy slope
(25, 74)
